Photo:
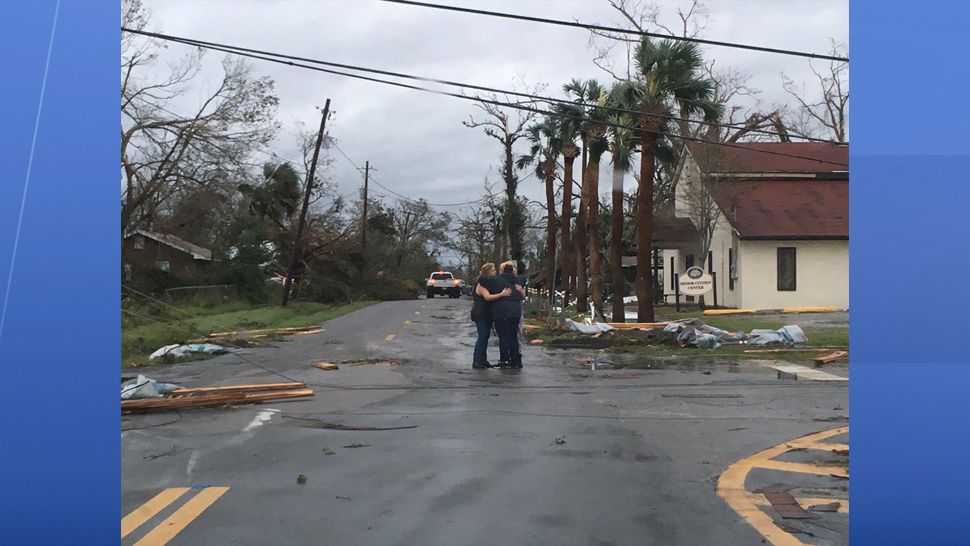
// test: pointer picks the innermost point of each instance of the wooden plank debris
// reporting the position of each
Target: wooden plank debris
(776, 351)
(326, 366)
(241, 388)
(637, 325)
(218, 396)
(830, 358)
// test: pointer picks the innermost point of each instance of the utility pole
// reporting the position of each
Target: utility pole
(298, 240)
(363, 221)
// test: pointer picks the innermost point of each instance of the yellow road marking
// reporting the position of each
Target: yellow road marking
(390, 337)
(821, 446)
(803, 468)
(181, 518)
(150, 509)
(730, 487)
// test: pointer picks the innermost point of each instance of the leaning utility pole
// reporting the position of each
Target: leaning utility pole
(363, 220)
(298, 240)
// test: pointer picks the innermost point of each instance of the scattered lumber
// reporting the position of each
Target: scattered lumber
(161, 404)
(637, 325)
(268, 331)
(830, 358)
(326, 366)
(241, 388)
(281, 395)
(774, 351)
(218, 396)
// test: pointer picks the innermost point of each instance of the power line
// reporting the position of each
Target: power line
(352, 162)
(587, 26)
(531, 96)
(271, 58)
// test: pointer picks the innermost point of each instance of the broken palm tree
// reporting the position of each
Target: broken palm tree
(228, 395)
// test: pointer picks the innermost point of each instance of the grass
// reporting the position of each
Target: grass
(836, 337)
(146, 329)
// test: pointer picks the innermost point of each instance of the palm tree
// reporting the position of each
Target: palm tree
(545, 147)
(668, 76)
(568, 133)
(622, 144)
(590, 97)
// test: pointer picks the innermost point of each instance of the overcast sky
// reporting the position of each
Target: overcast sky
(416, 140)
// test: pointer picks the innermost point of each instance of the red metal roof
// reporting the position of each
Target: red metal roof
(785, 208)
(749, 157)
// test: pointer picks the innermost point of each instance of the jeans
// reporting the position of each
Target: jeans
(481, 344)
(508, 339)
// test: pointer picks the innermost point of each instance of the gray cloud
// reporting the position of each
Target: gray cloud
(416, 140)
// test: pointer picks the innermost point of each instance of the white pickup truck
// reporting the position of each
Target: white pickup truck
(442, 282)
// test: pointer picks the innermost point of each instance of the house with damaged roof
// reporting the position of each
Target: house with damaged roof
(771, 220)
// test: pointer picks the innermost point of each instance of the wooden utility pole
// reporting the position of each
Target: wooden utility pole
(363, 220)
(298, 240)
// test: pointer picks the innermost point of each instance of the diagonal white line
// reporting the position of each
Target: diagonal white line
(30, 163)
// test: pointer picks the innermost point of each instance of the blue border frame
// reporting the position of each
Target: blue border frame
(910, 188)
(59, 347)
(59, 262)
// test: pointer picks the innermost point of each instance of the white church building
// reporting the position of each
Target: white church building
(778, 218)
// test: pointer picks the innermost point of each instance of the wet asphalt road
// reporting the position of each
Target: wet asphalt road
(642, 454)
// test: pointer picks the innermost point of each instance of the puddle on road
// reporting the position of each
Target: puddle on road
(676, 363)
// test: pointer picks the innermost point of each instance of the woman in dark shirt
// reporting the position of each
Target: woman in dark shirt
(506, 314)
(482, 311)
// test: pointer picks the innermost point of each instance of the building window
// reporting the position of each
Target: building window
(710, 261)
(163, 265)
(732, 269)
(786, 269)
(673, 276)
(139, 243)
(689, 261)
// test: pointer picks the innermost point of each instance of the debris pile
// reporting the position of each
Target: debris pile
(180, 351)
(143, 387)
(168, 398)
(696, 333)
(589, 327)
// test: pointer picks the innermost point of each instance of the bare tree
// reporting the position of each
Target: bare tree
(164, 151)
(507, 126)
(825, 114)
(416, 225)
(643, 16)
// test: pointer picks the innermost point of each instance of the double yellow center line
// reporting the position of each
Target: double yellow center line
(175, 523)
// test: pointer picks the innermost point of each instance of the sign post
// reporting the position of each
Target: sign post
(695, 282)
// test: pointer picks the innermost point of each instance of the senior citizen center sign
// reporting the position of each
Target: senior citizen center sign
(695, 282)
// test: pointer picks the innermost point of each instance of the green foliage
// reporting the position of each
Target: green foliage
(242, 263)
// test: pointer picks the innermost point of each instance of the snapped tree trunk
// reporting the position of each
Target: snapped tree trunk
(616, 246)
(644, 278)
(593, 202)
(513, 217)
